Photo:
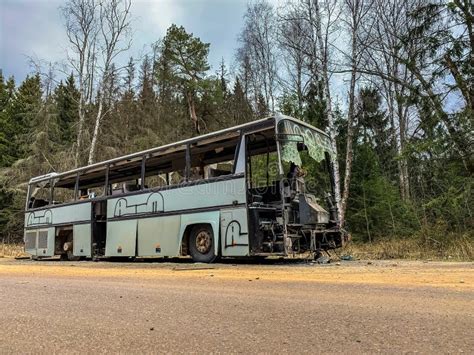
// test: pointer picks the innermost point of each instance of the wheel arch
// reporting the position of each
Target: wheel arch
(189, 221)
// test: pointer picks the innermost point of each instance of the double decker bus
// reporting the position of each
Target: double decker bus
(263, 188)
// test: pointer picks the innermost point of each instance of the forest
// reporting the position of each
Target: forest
(392, 82)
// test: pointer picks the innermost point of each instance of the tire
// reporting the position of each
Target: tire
(68, 248)
(72, 257)
(201, 244)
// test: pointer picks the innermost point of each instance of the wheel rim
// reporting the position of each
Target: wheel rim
(203, 242)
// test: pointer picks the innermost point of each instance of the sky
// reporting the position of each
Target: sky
(35, 29)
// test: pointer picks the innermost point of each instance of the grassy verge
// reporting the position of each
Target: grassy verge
(456, 249)
(11, 250)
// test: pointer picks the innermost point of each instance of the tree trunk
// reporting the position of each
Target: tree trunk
(402, 161)
(323, 49)
(192, 112)
(367, 224)
(96, 131)
(80, 128)
(350, 114)
(350, 138)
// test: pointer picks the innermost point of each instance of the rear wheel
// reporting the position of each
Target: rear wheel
(201, 244)
(68, 248)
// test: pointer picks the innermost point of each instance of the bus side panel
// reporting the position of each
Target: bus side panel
(139, 204)
(82, 240)
(79, 212)
(121, 238)
(234, 232)
(180, 199)
(214, 194)
(159, 236)
(42, 223)
(45, 242)
(40, 242)
(211, 218)
(30, 241)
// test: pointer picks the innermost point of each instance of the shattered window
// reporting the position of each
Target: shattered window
(292, 133)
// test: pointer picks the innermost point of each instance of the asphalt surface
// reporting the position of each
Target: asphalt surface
(356, 307)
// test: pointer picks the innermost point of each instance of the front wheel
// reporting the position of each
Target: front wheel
(201, 244)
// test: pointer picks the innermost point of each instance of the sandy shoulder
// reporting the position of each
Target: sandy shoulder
(409, 273)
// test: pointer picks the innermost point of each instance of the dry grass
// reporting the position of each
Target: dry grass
(11, 250)
(458, 249)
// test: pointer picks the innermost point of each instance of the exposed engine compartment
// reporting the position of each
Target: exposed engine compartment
(298, 225)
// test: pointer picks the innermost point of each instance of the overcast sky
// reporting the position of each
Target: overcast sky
(34, 28)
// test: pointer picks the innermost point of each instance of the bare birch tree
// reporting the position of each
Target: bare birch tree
(355, 12)
(383, 59)
(114, 20)
(292, 32)
(408, 64)
(258, 40)
(322, 18)
(81, 28)
(319, 19)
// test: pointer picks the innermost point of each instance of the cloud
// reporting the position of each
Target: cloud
(30, 28)
(214, 21)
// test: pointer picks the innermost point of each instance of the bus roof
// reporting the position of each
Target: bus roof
(256, 125)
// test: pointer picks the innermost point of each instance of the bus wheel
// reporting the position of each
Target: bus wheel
(67, 247)
(201, 244)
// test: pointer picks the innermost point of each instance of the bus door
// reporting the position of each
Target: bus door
(263, 194)
(99, 227)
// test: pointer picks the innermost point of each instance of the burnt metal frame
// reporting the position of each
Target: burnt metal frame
(256, 125)
(242, 130)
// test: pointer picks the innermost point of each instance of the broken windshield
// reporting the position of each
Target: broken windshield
(291, 133)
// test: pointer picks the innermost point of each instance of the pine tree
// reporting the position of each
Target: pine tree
(374, 126)
(66, 96)
(315, 105)
(186, 58)
(222, 78)
(24, 113)
(241, 108)
(262, 109)
(7, 91)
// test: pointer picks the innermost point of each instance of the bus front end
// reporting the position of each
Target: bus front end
(309, 210)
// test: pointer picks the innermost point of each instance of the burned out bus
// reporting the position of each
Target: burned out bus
(263, 188)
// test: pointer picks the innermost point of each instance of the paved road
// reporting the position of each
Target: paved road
(155, 307)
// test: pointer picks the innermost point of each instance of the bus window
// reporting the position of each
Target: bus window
(123, 187)
(165, 170)
(262, 160)
(62, 195)
(219, 169)
(40, 196)
(177, 177)
(263, 172)
(154, 181)
(93, 186)
(212, 160)
(317, 177)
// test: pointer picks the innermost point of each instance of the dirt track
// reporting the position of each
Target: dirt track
(276, 307)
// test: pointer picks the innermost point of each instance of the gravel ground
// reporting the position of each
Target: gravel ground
(361, 307)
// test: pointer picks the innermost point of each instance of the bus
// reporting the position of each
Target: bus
(259, 189)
